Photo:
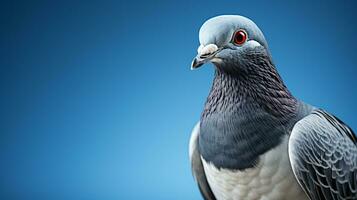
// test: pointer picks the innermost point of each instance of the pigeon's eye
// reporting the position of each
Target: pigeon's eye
(240, 37)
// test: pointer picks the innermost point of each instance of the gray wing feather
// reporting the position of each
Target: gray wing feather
(323, 155)
(197, 167)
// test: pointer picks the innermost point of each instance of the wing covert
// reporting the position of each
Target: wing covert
(197, 167)
(323, 155)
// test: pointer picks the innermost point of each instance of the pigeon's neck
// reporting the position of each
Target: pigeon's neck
(264, 89)
(245, 115)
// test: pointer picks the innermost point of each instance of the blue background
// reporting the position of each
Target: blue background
(97, 99)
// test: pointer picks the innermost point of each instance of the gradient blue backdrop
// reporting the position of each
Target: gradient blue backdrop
(97, 99)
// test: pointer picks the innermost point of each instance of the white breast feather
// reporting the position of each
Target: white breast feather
(271, 179)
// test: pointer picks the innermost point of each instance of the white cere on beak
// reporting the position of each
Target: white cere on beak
(200, 48)
(206, 50)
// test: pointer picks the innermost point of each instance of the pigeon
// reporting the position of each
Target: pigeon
(254, 139)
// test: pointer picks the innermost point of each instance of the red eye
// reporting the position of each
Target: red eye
(240, 37)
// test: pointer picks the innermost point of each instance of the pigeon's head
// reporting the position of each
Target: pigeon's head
(231, 43)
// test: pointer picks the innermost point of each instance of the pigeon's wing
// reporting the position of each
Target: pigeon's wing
(197, 167)
(323, 156)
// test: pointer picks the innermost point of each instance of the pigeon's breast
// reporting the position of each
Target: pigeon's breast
(271, 179)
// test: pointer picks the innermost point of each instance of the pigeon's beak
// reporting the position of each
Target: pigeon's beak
(198, 62)
(205, 54)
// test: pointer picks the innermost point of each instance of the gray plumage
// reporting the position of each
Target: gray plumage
(248, 113)
(323, 154)
(197, 167)
(245, 113)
